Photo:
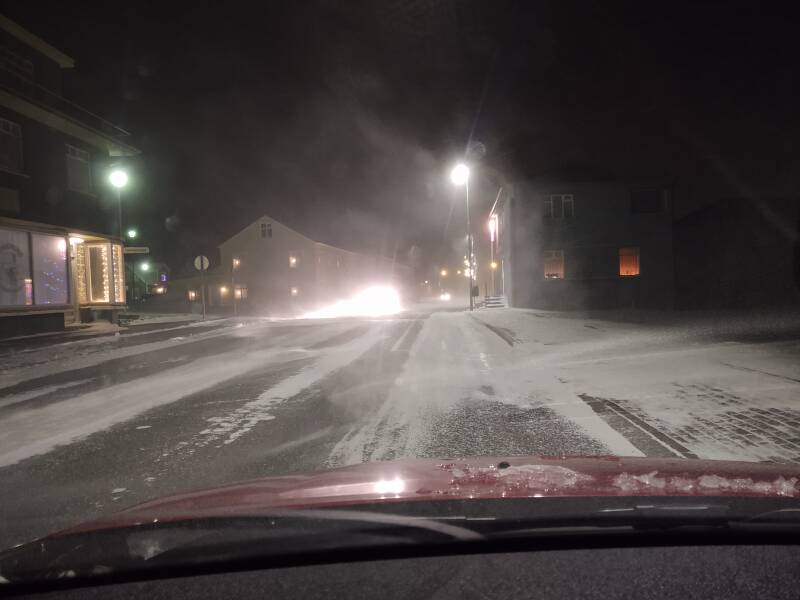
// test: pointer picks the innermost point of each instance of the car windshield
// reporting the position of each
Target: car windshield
(374, 255)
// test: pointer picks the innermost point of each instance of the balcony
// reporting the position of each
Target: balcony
(13, 82)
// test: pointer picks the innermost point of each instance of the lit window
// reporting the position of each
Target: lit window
(294, 291)
(160, 290)
(192, 295)
(554, 264)
(223, 290)
(236, 262)
(240, 292)
(559, 206)
(292, 261)
(628, 262)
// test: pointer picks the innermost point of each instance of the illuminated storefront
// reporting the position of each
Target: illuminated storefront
(50, 271)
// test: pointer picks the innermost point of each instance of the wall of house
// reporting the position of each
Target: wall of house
(603, 222)
(41, 187)
(739, 253)
(266, 270)
(318, 275)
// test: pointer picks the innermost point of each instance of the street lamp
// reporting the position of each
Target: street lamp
(132, 233)
(459, 175)
(443, 272)
(119, 179)
(144, 266)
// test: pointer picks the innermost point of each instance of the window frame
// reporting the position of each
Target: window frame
(14, 130)
(638, 255)
(564, 200)
(80, 155)
(550, 255)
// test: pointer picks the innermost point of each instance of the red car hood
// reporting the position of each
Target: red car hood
(434, 480)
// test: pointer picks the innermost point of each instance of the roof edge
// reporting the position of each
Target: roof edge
(35, 42)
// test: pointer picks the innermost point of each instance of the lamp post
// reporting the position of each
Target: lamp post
(492, 238)
(460, 176)
(143, 266)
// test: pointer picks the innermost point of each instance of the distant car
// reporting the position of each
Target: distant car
(488, 527)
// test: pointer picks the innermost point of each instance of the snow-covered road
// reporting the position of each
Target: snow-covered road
(89, 426)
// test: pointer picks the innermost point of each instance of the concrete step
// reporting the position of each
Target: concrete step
(495, 302)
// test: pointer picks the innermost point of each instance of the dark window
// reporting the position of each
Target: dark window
(79, 176)
(559, 206)
(14, 64)
(266, 230)
(10, 146)
(9, 200)
(647, 201)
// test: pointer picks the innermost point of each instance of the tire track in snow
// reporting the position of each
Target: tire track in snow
(243, 419)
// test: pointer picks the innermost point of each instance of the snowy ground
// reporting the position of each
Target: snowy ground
(90, 425)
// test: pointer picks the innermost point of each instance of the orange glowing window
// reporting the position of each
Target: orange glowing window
(554, 264)
(628, 262)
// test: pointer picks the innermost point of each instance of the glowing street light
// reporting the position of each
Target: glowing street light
(443, 272)
(493, 265)
(119, 179)
(144, 266)
(460, 174)
(132, 233)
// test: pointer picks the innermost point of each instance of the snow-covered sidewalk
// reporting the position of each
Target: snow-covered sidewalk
(724, 388)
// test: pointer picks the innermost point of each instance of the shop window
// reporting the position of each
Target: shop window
(191, 295)
(628, 262)
(15, 268)
(79, 175)
(10, 146)
(554, 264)
(50, 282)
(98, 272)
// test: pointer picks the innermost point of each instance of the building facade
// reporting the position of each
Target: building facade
(52, 276)
(564, 245)
(53, 158)
(270, 269)
(738, 253)
(569, 245)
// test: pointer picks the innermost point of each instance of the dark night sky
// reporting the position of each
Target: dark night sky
(341, 118)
